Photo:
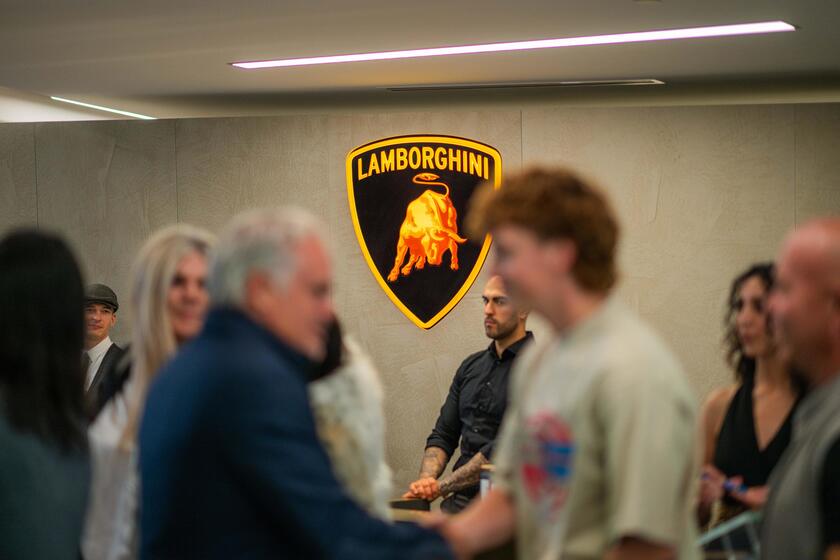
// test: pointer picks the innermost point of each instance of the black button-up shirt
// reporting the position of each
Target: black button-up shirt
(476, 403)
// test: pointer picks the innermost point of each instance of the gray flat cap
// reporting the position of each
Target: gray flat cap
(100, 293)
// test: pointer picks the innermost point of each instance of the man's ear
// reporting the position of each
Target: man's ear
(257, 291)
(113, 319)
(561, 255)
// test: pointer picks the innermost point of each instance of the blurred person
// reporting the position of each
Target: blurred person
(169, 301)
(474, 407)
(802, 515)
(101, 355)
(346, 398)
(747, 425)
(596, 455)
(44, 463)
(230, 461)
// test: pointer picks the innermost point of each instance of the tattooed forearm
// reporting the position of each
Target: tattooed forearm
(434, 461)
(468, 475)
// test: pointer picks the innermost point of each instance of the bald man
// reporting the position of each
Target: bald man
(474, 406)
(802, 516)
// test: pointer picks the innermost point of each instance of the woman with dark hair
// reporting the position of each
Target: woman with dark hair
(747, 425)
(44, 464)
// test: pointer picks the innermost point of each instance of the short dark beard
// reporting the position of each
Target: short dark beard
(503, 334)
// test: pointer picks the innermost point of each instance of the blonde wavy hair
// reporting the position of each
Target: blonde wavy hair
(153, 340)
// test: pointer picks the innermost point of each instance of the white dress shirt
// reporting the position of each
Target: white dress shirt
(110, 528)
(96, 355)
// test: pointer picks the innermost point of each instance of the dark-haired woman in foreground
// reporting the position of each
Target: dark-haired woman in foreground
(44, 465)
(747, 426)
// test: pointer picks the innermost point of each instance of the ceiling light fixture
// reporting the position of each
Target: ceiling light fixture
(618, 38)
(511, 85)
(101, 108)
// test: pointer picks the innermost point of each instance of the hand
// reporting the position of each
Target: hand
(455, 538)
(435, 520)
(424, 488)
(711, 486)
(754, 497)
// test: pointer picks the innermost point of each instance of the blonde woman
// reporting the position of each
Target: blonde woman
(169, 301)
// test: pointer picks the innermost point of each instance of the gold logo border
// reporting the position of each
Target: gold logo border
(485, 248)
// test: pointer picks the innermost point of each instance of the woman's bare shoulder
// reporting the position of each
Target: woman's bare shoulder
(716, 403)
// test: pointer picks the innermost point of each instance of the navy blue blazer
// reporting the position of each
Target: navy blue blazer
(231, 466)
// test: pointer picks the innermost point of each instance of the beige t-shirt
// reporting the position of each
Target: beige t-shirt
(599, 442)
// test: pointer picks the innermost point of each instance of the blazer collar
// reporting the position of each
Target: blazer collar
(235, 324)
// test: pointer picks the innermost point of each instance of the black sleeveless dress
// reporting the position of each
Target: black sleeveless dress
(737, 452)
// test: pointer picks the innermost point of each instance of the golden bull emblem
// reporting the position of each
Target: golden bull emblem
(429, 230)
(407, 198)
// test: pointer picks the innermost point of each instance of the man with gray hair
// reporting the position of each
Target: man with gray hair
(230, 462)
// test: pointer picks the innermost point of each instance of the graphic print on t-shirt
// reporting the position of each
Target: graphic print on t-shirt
(547, 455)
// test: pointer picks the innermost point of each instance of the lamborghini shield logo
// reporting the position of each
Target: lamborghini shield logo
(408, 196)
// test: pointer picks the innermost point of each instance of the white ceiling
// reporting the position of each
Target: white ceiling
(160, 56)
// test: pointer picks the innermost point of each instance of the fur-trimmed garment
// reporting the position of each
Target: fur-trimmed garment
(347, 405)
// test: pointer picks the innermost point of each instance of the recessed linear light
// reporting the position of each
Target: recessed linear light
(635, 37)
(505, 85)
(101, 108)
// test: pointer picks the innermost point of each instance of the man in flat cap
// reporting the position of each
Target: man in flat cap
(100, 355)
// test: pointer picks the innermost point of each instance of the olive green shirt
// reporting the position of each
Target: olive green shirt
(43, 497)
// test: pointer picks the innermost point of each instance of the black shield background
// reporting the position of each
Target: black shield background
(381, 201)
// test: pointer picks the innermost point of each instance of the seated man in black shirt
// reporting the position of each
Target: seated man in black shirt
(474, 407)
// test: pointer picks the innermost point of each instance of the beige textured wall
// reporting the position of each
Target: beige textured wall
(18, 206)
(107, 186)
(701, 191)
(817, 161)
